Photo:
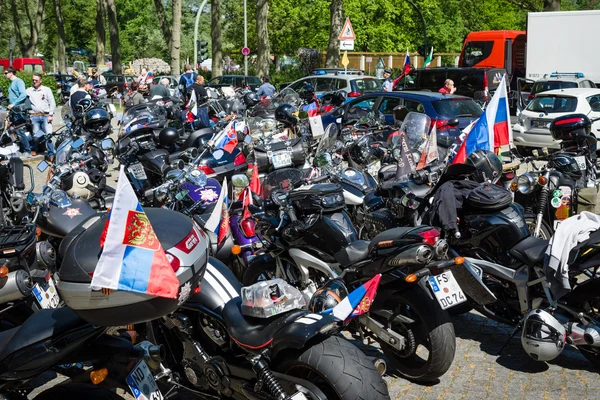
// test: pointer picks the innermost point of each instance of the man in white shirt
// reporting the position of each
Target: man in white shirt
(42, 112)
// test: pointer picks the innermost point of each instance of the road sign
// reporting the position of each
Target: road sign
(345, 60)
(347, 32)
(369, 59)
(246, 51)
(346, 44)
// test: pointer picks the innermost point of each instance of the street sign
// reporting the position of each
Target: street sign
(345, 60)
(246, 51)
(347, 32)
(346, 44)
(369, 59)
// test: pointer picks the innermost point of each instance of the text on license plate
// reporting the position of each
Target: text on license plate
(446, 290)
(282, 159)
(540, 124)
(46, 294)
(142, 383)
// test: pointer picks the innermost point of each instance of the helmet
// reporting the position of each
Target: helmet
(286, 114)
(569, 127)
(543, 337)
(167, 137)
(566, 164)
(251, 99)
(307, 93)
(96, 122)
(328, 296)
(83, 105)
(489, 166)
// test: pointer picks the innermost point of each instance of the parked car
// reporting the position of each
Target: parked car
(353, 85)
(441, 108)
(556, 80)
(121, 81)
(337, 71)
(532, 128)
(235, 81)
(173, 84)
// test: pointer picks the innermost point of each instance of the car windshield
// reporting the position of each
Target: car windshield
(540, 87)
(457, 108)
(366, 84)
(286, 179)
(553, 104)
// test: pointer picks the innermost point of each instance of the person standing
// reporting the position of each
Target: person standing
(42, 112)
(448, 88)
(198, 88)
(81, 93)
(134, 97)
(161, 90)
(388, 84)
(187, 79)
(266, 89)
(17, 95)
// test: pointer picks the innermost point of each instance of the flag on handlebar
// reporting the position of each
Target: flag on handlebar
(227, 139)
(132, 258)
(192, 107)
(218, 222)
(358, 302)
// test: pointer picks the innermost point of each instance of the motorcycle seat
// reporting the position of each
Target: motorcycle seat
(353, 253)
(530, 251)
(41, 326)
(254, 333)
(390, 234)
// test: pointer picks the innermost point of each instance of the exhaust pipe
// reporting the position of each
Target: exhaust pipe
(14, 286)
(583, 335)
(415, 255)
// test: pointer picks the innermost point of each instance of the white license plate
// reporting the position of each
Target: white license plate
(142, 383)
(137, 171)
(581, 162)
(373, 169)
(282, 159)
(540, 124)
(446, 290)
(46, 294)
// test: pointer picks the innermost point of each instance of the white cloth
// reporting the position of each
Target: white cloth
(569, 234)
(42, 100)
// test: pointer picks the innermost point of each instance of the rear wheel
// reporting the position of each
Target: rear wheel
(586, 298)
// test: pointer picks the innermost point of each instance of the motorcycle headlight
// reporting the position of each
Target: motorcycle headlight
(332, 200)
(526, 183)
(197, 177)
(161, 194)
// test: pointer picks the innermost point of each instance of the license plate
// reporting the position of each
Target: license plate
(446, 290)
(46, 294)
(540, 124)
(142, 383)
(581, 162)
(137, 171)
(556, 223)
(373, 169)
(282, 159)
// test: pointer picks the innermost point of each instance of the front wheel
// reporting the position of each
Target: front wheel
(545, 230)
(339, 369)
(430, 340)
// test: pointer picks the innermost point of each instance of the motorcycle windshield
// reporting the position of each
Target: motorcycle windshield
(285, 179)
(142, 116)
(289, 96)
(415, 128)
(327, 147)
(62, 153)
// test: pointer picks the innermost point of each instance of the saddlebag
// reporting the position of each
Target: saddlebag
(489, 197)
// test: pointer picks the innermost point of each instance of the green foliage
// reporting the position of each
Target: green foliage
(47, 80)
(286, 75)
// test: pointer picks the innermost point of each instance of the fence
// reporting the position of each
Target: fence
(367, 60)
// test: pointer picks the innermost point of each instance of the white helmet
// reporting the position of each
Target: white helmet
(543, 336)
(80, 180)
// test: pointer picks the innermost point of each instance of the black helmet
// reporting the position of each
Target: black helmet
(328, 296)
(251, 99)
(167, 137)
(96, 122)
(307, 93)
(566, 164)
(489, 166)
(83, 105)
(286, 114)
(569, 127)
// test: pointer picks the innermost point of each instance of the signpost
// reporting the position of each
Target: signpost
(346, 39)
(379, 67)
(369, 61)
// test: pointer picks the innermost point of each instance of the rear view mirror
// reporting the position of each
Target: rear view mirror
(42, 166)
(240, 181)
(107, 144)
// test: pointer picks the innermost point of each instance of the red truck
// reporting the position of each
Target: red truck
(495, 49)
(23, 64)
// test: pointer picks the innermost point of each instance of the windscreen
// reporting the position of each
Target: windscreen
(416, 129)
(553, 104)
(285, 179)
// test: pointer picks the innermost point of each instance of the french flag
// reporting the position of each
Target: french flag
(132, 258)
(491, 130)
(358, 302)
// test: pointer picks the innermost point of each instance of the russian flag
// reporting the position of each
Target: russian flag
(311, 109)
(227, 138)
(218, 222)
(491, 130)
(406, 68)
(357, 302)
(132, 258)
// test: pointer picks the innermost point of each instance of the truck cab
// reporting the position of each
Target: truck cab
(495, 49)
(23, 64)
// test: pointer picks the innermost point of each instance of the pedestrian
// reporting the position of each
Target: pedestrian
(134, 97)
(145, 77)
(98, 77)
(448, 87)
(16, 90)
(42, 112)
(388, 84)
(198, 88)
(80, 94)
(266, 89)
(187, 79)
(161, 90)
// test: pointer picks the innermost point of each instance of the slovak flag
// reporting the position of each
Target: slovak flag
(491, 130)
(132, 258)
(227, 138)
(218, 222)
(358, 302)
(406, 68)
(192, 107)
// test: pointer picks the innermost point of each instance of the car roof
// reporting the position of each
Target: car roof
(414, 94)
(571, 92)
(347, 77)
(562, 78)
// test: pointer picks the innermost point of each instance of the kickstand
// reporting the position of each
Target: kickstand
(512, 335)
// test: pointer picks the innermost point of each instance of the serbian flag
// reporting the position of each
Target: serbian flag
(491, 130)
(406, 68)
(311, 109)
(132, 258)
(218, 222)
(357, 302)
(227, 138)
(192, 107)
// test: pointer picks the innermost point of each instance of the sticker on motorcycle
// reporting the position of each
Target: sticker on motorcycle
(555, 202)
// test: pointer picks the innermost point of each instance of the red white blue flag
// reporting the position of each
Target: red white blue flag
(491, 130)
(132, 258)
(406, 68)
(227, 138)
(357, 302)
(218, 222)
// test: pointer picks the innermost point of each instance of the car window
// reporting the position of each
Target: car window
(366, 84)
(540, 87)
(476, 52)
(324, 85)
(591, 84)
(341, 84)
(413, 105)
(360, 108)
(299, 85)
(239, 81)
(457, 108)
(226, 80)
(387, 104)
(253, 80)
(215, 81)
(553, 104)
(594, 102)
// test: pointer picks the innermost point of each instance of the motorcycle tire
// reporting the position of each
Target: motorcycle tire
(546, 231)
(339, 369)
(78, 391)
(585, 297)
(433, 330)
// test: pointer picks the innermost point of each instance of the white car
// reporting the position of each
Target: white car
(532, 127)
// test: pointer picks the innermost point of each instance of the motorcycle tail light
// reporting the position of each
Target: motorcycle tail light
(174, 261)
(354, 94)
(248, 227)
(239, 160)
(430, 236)
(207, 170)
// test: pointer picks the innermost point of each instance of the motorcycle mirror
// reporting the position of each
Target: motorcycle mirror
(240, 180)
(42, 166)
(77, 144)
(178, 164)
(453, 122)
(338, 121)
(107, 144)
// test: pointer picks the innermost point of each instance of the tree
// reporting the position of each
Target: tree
(113, 29)
(164, 24)
(62, 56)
(27, 46)
(215, 35)
(176, 38)
(262, 33)
(551, 5)
(100, 31)
(336, 19)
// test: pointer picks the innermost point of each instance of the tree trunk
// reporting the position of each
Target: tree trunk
(100, 32)
(164, 24)
(215, 36)
(176, 38)
(551, 5)
(262, 33)
(62, 56)
(336, 23)
(28, 46)
(113, 30)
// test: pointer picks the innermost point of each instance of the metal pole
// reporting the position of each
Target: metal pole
(245, 39)
(196, 32)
